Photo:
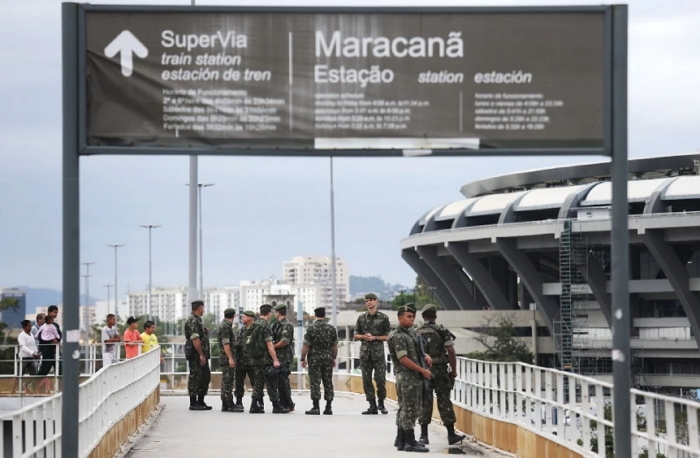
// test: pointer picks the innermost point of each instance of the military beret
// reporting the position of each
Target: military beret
(229, 311)
(249, 313)
(320, 308)
(280, 306)
(371, 296)
(429, 308)
(197, 303)
(409, 307)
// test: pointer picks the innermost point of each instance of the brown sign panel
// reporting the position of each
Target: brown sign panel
(310, 83)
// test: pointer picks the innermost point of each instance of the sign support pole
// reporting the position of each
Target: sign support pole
(621, 354)
(71, 235)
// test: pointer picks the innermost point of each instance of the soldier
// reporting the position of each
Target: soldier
(227, 361)
(321, 346)
(439, 344)
(283, 339)
(269, 372)
(244, 362)
(372, 329)
(198, 357)
(405, 352)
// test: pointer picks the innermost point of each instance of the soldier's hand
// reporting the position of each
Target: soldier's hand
(202, 360)
(368, 337)
(304, 364)
(276, 364)
(427, 374)
(453, 374)
(232, 364)
(429, 361)
(333, 363)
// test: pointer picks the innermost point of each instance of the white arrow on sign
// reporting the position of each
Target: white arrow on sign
(127, 45)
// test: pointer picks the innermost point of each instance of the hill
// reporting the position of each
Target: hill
(361, 285)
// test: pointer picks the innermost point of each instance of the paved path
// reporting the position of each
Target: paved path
(179, 432)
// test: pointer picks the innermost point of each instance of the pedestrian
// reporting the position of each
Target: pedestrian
(268, 374)
(53, 311)
(28, 352)
(49, 338)
(373, 328)
(244, 363)
(149, 338)
(283, 340)
(132, 337)
(227, 361)
(321, 347)
(198, 354)
(405, 351)
(439, 345)
(110, 337)
(39, 323)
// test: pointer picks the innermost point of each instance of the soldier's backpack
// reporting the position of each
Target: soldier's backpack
(435, 337)
(255, 341)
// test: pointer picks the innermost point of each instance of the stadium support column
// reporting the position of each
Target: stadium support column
(450, 277)
(482, 278)
(594, 275)
(421, 268)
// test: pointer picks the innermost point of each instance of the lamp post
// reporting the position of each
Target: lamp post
(108, 299)
(199, 224)
(116, 291)
(150, 228)
(86, 311)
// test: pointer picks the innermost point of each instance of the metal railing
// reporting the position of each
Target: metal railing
(104, 399)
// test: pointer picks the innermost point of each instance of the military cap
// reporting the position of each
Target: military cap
(429, 308)
(229, 311)
(320, 308)
(371, 296)
(249, 313)
(409, 307)
(197, 303)
(280, 306)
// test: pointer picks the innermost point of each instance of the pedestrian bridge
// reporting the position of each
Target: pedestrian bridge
(516, 408)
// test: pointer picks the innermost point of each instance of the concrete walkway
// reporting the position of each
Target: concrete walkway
(179, 432)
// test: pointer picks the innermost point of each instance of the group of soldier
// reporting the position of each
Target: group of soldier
(423, 359)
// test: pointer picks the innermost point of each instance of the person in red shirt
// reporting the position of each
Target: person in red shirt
(132, 338)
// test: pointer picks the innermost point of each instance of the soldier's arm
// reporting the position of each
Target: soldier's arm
(401, 348)
(287, 333)
(226, 342)
(452, 358)
(359, 333)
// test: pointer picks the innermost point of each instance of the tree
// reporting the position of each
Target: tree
(501, 343)
(7, 303)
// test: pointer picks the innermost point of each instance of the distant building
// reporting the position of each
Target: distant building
(168, 304)
(218, 300)
(316, 270)
(12, 316)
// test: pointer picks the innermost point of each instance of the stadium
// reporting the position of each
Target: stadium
(537, 244)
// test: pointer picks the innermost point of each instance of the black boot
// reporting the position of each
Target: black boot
(225, 406)
(424, 435)
(328, 410)
(411, 444)
(277, 408)
(452, 437)
(315, 410)
(261, 404)
(380, 406)
(372, 410)
(200, 401)
(238, 407)
(194, 405)
(400, 441)
(255, 406)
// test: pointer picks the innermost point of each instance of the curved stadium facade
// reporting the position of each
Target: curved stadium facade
(540, 240)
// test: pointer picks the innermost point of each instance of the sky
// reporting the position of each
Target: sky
(263, 211)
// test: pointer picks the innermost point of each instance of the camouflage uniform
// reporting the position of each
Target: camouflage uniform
(225, 335)
(372, 356)
(283, 331)
(200, 376)
(244, 365)
(321, 337)
(263, 379)
(409, 384)
(437, 338)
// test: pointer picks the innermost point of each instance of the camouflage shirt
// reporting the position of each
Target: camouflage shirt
(320, 337)
(194, 329)
(437, 338)
(377, 325)
(404, 342)
(225, 335)
(266, 336)
(283, 331)
(242, 357)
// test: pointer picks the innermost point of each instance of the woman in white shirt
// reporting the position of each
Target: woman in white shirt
(28, 351)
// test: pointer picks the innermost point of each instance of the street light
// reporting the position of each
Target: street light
(201, 250)
(116, 292)
(150, 228)
(108, 299)
(86, 312)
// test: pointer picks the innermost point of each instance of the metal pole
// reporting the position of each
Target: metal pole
(193, 230)
(116, 291)
(334, 298)
(620, 241)
(200, 186)
(71, 231)
(109, 299)
(150, 227)
(86, 312)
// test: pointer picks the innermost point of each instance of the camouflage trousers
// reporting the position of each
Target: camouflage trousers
(321, 373)
(241, 372)
(198, 379)
(442, 385)
(228, 377)
(284, 387)
(409, 390)
(378, 366)
(267, 381)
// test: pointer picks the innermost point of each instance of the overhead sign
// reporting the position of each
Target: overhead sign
(215, 80)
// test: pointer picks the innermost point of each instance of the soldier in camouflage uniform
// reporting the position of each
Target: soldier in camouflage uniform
(321, 346)
(405, 352)
(269, 373)
(439, 344)
(373, 328)
(227, 361)
(283, 339)
(200, 374)
(244, 362)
